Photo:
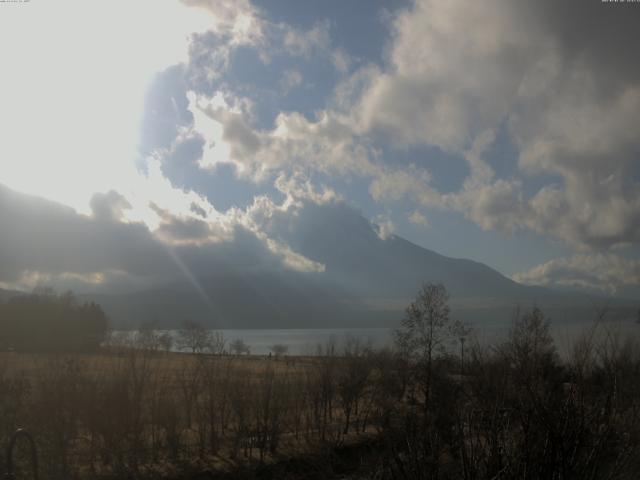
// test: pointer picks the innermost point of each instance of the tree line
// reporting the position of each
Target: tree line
(46, 321)
(512, 410)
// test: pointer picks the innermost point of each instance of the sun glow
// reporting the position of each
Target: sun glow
(74, 76)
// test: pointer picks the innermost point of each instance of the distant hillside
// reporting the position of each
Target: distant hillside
(367, 282)
(7, 294)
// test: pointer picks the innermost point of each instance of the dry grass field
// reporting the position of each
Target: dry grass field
(96, 363)
(144, 414)
(513, 410)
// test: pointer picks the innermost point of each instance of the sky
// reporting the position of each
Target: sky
(504, 132)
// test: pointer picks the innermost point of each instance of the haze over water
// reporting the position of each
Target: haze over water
(306, 341)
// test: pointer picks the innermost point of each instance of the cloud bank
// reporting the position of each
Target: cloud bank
(549, 82)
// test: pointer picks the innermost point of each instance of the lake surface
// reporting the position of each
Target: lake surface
(306, 341)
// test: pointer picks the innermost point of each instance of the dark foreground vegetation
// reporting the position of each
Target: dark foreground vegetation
(45, 321)
(428, 409)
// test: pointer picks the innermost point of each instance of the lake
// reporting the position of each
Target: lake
(305, 341)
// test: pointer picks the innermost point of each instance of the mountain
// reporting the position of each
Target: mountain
(351, 249)
(368, 281)
(242, 283)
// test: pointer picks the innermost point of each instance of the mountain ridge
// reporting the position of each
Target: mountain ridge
(240, 283)
(288, 299)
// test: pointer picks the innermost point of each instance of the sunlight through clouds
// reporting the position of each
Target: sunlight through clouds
(72, 91)
(176, 116)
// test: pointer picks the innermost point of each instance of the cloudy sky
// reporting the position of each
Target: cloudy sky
(161, 134)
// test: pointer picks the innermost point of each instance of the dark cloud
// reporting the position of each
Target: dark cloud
(598, 34)
(39, 235)
(53, 242)
(559, 81)
(180, 148)
(239, 134)
(179, 164)
(198, 210)
(109, 207)
(560, 76)
(174, 228)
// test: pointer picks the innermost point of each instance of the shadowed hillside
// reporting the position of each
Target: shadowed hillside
(367, 282)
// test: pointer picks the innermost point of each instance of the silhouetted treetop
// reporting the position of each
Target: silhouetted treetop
(43, 321)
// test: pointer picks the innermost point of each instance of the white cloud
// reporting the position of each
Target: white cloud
(191, 229)
(384, 227)
(418, 218)
(264, 218)
(455, 74)
(592, 143)
(299, 187)
(236, 20)
(600, 272)
(102, 252)
(293, 260)
(108, 279)
(455, 91)
(72, 90)
(151, 191)
(208, 116)
(451, 74)
(324, 144)
(510, 69)
(492, 205)
(458, 72)
(171, 215)
(394, 184)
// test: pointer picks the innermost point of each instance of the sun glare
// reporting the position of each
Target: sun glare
(74, 75)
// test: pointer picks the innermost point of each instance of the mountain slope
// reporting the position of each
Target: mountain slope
(242, 282)
(367, 281)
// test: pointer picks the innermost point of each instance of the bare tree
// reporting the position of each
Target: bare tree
(321, 391)
(193, 336)
(279, 349)
(214, 405)
(188, 378)
(147, 337)
(216, 343)
(425, 332)
(353, 378)
(165, 340)
(238, 347)
(530, 347)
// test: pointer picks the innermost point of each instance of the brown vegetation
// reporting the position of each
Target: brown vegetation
(135, 412)
(44, 321)
(516, 410)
